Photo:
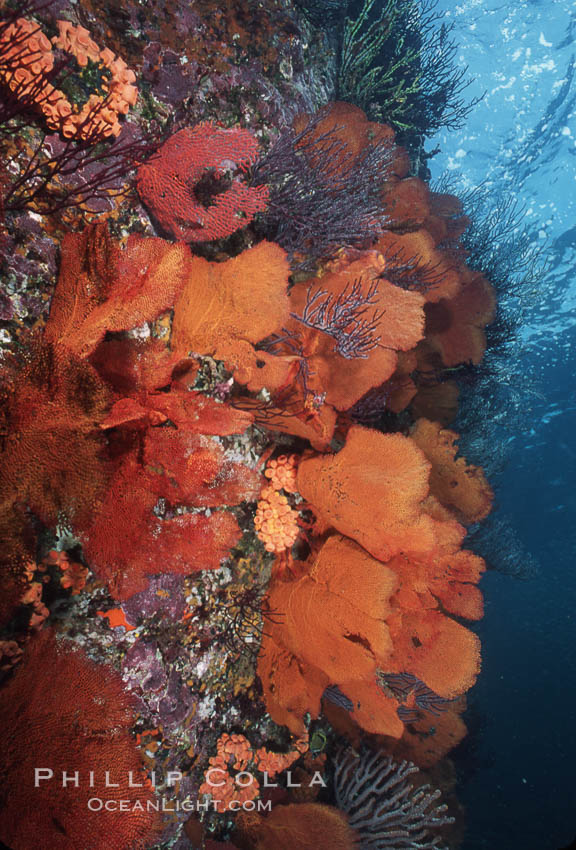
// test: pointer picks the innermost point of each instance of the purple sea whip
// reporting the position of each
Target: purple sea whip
(383, 805)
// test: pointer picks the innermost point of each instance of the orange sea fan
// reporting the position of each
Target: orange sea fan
(350, 616)
(446, 221)
(332, 631)
(63, 712)
(51, 458)
(435, 649)
(400, 389)
(407, 203)
(349, 124)
(170, 183)
(291, 687)
(455, 327)
(303, 826)
(437, 400)
(383, 477)
(373, 710)
(457, 485)
(103, 288)
(417, 249)
(345, 594)
(428, 739)
(191, 412)
(226, 308)
(127, 541)
(274, 372)
(131, 365)
(398, 326)
(301, 418)
(140, 372)
(182, 544)
(192, 468)
(440, 581)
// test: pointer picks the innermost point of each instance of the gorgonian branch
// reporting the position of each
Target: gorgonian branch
(322, 195)
(408, 272)
(61, 174)
(343, 317)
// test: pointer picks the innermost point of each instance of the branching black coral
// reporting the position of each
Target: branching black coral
(410, 273)
(397, 63)
(500, 246)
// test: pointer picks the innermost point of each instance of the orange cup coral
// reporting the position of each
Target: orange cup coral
(26, 60)
(235, 753)
(276, 522)
(282, 473)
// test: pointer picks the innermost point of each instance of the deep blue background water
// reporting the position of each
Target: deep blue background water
(517, 767)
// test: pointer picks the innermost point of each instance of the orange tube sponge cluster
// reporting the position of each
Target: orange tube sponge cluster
(26, 57)
(276, 521)
(26, 60)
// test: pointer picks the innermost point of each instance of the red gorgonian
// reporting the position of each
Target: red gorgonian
(192, 186)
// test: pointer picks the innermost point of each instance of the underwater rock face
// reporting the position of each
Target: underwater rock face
(143, 669)
(233, 484)
(165, 595)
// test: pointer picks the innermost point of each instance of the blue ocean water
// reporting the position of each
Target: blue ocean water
(517, 768)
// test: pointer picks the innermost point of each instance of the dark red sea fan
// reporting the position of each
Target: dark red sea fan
(191, 188)
(50, 457)
(128, 541)
(63, 712)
